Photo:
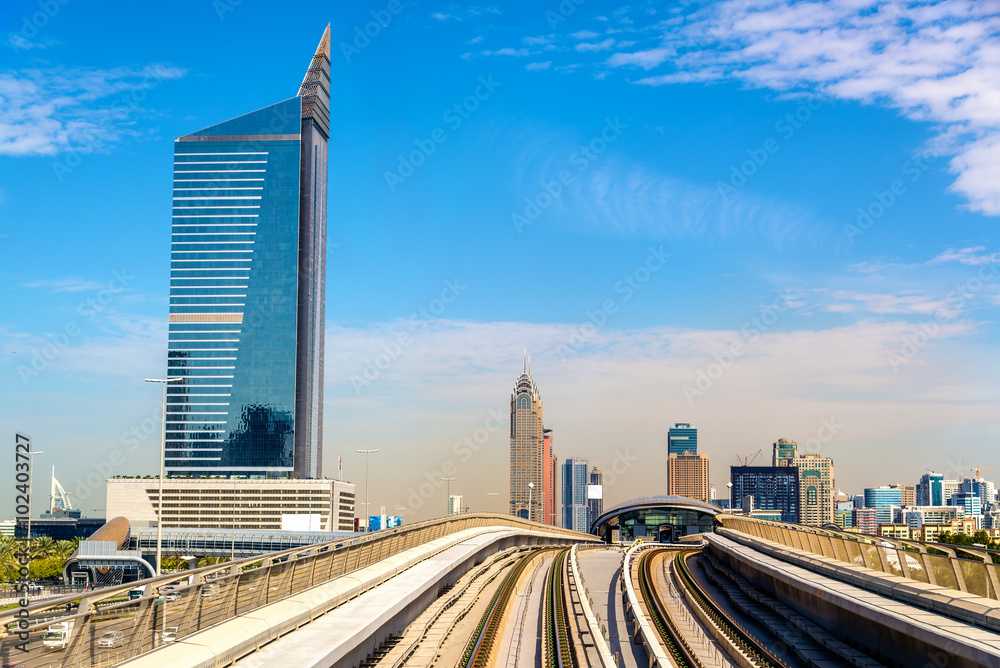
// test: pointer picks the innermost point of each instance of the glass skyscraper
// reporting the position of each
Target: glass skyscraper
(247, 289)
(575, 510)
(529, 460)
(770, 487)
(681, 438)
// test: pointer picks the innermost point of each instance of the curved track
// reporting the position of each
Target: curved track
(479, 652)
(750, 646)
(677, 648)
(558, 650)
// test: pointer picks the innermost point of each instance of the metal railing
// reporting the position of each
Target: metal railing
(108, 627)
(880, 553)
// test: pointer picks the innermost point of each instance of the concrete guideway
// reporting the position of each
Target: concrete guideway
(889, 630)
(600, 577)
(351, 620)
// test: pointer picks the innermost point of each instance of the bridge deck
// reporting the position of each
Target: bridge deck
(953, 636)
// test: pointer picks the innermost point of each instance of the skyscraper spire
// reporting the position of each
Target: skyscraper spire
(524, 364)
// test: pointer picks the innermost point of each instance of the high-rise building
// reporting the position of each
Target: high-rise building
(969, 501)
(595, 495)
(682, 438)
(527, 442)
(687, 475)
(816, 485)
(865, 520)
(454, 504)
(908, 494)
(549, 483)
(883, 497)
(783, 452)
(769, 487)
(930, 490)
(247, 289)
(574, 494)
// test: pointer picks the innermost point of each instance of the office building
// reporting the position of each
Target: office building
(951, 488)
(917, 516)
(687, 475)
(985, 489)
(595, 495)
(908, 494)
(455, 504)
(528, 463)
(682, 438)
(549, 483)
(971, 504)
(232, 503)
(816, 484)
(768, 488)
(865, 520)
(844, 518)
(883, 497)
(247, 290)
(783, 452)
(575, 510)
(930, 490)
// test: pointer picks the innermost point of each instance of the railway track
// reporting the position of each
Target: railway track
(753, 649)
(479, 652)
(557, 647)
(673, 640)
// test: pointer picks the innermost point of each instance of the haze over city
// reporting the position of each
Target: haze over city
(766, 221)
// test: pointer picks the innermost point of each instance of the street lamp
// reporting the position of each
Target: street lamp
(448, 480)
(163, 454)
(531, 488)
(31, 480)
(367, 507)
(492, 509)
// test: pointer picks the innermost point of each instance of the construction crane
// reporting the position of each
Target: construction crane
(747, 461)
(977, 469)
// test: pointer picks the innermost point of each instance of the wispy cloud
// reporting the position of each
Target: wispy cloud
(596, 46)
(507, 51)
(64, 284)
(45, 111)
(532, 67)
(936, 62)
(972, 256)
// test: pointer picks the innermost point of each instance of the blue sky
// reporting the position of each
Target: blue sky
(740, 139)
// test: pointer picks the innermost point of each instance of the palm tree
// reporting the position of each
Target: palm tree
(8, 558)
(42, 547)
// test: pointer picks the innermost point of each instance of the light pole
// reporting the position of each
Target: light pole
(448, 480)
(159, 501)
(492, 501)
(31, 481)
(367, 507)
(531, 488)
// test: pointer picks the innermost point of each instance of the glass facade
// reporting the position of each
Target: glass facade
(246, 290)
(575, 510)
(770, 487)
(681, 438)
(663, 524)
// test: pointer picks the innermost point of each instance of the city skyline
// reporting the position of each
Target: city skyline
(753, 245)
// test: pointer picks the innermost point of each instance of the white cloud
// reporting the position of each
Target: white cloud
(507, 51)
(585, 34)
(64, 284)
(936, 62)
(532, 67)
(45, 111)
(597, 46)
(971, 256)
(645, 59)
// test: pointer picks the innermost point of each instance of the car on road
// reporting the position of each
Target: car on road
(170, 593)
(111, 639)
(169, 634)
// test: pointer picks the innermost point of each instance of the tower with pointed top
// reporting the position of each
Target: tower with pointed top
(529, 464)
(247, 289)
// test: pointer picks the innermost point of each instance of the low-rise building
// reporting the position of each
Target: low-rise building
(894, 531)
(232, 503)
